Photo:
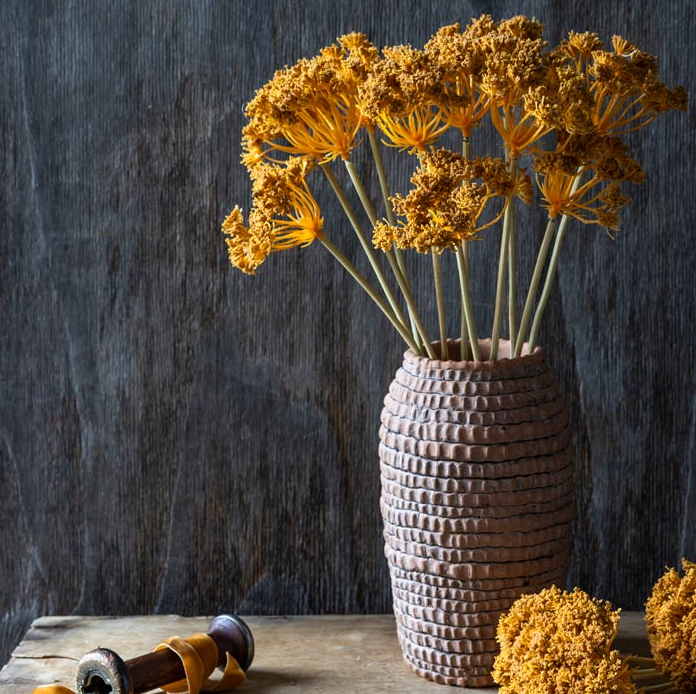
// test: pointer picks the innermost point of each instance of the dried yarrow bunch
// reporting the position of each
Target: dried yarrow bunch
(670, 615)
(555, 642)
(561, 114)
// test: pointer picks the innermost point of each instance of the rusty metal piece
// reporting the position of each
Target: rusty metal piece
(103, 671)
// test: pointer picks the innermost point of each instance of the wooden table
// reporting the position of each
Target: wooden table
(317, 655)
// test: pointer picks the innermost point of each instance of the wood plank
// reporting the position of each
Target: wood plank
(316, 655)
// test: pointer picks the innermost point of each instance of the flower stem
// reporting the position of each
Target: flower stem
(551, 271)
(466, 303)
(401, 280)
(548, 282)
(502, 262)
(464, 333)
(534, 284)
(401, 328)
(360, 189)
(640, 675)
(413, 310)
(639, 660)
(512, 261)
(658, 689)
(509, 222)
(440, 300)
(367, 248)
(382, 175)
(384, 186)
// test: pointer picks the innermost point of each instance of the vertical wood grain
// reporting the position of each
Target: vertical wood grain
(177, 437)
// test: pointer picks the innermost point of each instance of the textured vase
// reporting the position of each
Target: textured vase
(477, 498)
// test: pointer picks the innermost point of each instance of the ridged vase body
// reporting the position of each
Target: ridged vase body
(477, 498)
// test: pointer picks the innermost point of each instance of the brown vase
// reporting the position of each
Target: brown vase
(477, 498)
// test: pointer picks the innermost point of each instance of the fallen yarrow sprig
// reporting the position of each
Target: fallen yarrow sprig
(558, 642)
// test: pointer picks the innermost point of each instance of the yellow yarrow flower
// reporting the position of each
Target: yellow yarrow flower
(515, 67)
(448, 200)
(560, 643)
(311, 108)
(623, 91)
(596, 199)
(284, 215)
(461, 57)
(401, 96)
(670, 615)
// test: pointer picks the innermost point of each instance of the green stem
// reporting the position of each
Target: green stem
(440, 301)
(370, 210)
(502, 262)
(512, 278)
(384, 186)
(464, 333)
(466, 303)
(551, 272)
(382, 175)
(638, 660)
(367, 248)
(362, 193)
(466, 147)
(402, 330)
(534, 284)
(642, 675)
(512, 262)
(658, 689)
(413, 310)
(548, 283)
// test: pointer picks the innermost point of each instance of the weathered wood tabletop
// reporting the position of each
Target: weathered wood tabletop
(317, 655)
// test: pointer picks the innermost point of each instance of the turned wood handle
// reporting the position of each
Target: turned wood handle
(104, 672)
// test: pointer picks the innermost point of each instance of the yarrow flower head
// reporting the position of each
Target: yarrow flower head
(515, 72)
(461, 56)
(284, 214)
(622, 88)
(670, 615)
(311, 108)
(593, 199)
(555, 642)
(402, 96)
(449, 197)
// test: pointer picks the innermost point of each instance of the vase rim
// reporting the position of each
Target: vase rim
(504, 348)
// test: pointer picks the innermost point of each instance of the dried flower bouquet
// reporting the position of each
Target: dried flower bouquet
(561, 114)
(560, 642)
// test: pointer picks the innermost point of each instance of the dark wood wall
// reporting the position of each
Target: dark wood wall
(178, 437)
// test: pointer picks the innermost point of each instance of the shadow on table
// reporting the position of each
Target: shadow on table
(270, 680)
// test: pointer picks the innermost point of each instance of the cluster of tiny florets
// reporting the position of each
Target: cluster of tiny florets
(555, 642)
(283, 215)
(449, 197)
(670, 615)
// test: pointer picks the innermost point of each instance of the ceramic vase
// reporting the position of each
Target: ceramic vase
(477, 498)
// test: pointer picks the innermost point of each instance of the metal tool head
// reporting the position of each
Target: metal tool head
(102, 672)
(234, 635)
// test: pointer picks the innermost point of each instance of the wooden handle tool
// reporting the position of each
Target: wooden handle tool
(103, 671)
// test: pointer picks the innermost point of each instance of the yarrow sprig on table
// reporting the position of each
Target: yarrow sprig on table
(559, 642)
(560, 112)
(670, 615)
(553, 642)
